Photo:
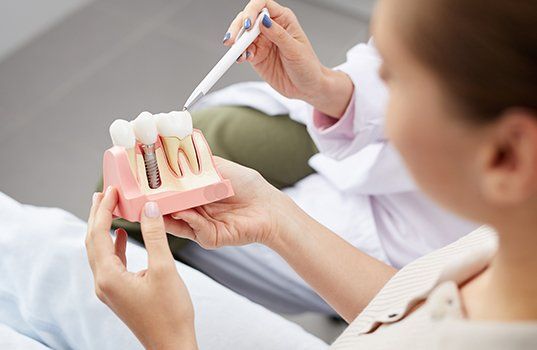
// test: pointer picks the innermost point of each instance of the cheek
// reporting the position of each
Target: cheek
(428, 146)
(410, 132)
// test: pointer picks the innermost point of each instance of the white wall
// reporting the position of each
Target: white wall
(359, 8)
(21, 20)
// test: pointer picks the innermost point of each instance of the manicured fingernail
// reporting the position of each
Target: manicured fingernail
(267, 22)
(248, 54)
(226, 37)
(247, 23)
(94, 198)
(152, 210)
(120, 230)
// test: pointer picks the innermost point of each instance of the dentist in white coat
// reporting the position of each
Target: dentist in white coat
(378, 208)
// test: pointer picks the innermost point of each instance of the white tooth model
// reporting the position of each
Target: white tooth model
(175, 129)
(146, 132)
(122, 135)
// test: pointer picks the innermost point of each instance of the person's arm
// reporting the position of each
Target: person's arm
(258, 213)
(342, 275)
(334, 94)
(362, 124)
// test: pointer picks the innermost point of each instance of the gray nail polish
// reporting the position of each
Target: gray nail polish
(226, 37)
(247, 23)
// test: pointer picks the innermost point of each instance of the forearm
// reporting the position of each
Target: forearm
(334, 93)
(184, 339)
(342, 275)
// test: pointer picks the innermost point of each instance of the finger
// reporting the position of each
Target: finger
(178, 228)
(276, 10)
(203, 229)
(275, 33)
(233, 30)
(251, 11)
(104, 214)
(95, 202)
(120, 245)
(242, 57)
(254, 8)
(100, 230)
(191, 217)
(252, 49)
(246, 55)
(154, 235)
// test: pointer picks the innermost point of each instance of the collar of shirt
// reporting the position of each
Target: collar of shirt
(416, 282)
(392, 320)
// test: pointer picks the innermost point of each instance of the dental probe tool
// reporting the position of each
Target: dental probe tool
(145, 129)
(244, 39)
(122, 135)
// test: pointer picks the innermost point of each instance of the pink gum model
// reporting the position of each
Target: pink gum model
(117, 173)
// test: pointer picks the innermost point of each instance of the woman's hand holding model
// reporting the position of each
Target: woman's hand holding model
(283, 56)
(153, 303)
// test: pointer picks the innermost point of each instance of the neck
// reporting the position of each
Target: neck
(506, 290)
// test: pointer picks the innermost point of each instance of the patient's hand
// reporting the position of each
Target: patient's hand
(255, 214)
(154, 303)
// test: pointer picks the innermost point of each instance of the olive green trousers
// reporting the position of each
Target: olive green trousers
(276, 146)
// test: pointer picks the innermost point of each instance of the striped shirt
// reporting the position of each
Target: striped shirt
(439, 323)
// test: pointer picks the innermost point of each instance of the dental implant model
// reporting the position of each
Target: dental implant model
(146, 132)
(175, 169)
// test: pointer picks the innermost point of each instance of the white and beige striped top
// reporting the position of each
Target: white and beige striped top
(439, 323)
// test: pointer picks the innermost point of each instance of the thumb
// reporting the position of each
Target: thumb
(154, 235)
(276, 34)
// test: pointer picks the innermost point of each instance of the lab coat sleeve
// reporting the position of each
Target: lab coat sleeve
(363, 122)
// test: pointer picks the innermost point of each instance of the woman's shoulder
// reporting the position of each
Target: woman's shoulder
(414, 282)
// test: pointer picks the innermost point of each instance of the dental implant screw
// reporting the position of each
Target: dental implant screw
(151, 166)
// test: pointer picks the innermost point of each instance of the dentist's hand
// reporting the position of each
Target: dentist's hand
(255, 214)
(283, 56)
(153, 303)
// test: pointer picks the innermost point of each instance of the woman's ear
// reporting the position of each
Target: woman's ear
(508, 160)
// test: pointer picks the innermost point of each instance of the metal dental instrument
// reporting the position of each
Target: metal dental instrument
(244, 39)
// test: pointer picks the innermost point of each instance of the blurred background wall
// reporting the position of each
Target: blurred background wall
(22, 20)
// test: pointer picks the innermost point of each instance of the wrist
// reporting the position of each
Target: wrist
(185, 338)
(181, 337)
(334, 93)
(290, 221)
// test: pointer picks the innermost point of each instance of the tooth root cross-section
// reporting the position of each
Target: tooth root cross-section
(173, 146)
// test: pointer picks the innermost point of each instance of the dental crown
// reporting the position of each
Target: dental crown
(145, 128)
(174, 124)
(122, 134)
